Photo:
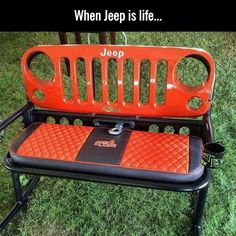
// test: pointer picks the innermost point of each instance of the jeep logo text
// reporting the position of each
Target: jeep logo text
(111, 53)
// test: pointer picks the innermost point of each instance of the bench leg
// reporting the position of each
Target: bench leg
(21, 198)
(199, 202)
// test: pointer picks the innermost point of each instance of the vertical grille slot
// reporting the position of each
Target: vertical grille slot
(128, 80)
(144, 81)
(112, 80)
(66, 80)
(97, 79)
(81, 79)
(161, 76)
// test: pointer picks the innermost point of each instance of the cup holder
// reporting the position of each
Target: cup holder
(213, 155)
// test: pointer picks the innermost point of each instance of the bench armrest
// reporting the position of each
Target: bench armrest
(10, 119)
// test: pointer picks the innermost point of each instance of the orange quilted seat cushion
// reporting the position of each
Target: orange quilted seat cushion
(152, 151)
(59, 142)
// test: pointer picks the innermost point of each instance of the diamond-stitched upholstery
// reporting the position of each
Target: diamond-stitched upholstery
(157, 151)
(144, 151)
(52, 141)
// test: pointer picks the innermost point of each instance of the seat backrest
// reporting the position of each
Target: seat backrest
(177, 95)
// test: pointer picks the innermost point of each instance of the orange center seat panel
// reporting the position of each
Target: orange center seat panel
(177, 95)
(135, 154)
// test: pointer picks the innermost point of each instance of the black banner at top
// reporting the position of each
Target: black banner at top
(162, 18)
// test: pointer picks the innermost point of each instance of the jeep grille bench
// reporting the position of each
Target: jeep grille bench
(113, 145)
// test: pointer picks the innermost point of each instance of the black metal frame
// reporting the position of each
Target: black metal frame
(199, 127)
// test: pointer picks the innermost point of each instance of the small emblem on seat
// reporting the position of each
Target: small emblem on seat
(101, 143)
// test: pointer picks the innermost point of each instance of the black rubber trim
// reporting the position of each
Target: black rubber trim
(94, 150)
(107, 170)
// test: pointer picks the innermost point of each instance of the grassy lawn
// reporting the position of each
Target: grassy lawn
(67, 207)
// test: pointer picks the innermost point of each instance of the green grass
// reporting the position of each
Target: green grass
(66, 207)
